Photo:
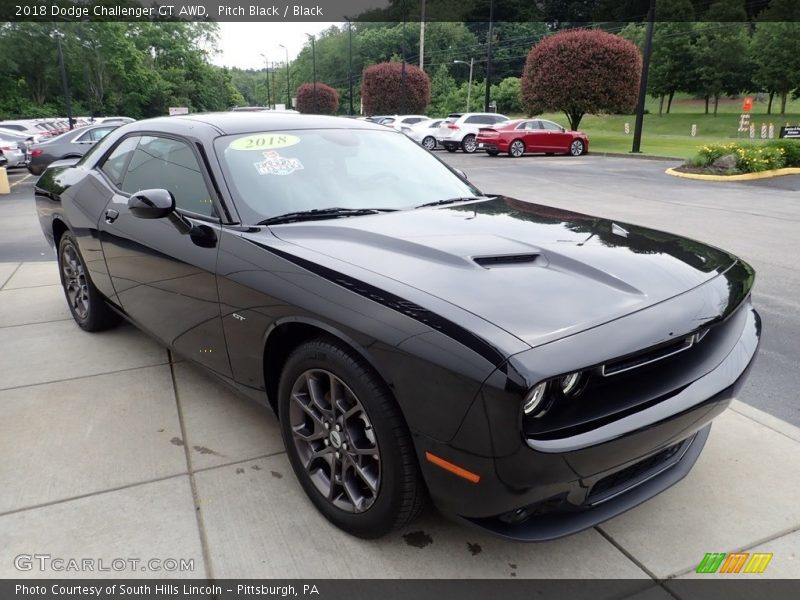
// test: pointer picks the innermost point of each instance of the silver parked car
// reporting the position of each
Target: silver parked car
(460, 130)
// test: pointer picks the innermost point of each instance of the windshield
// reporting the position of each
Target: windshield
(274, 173)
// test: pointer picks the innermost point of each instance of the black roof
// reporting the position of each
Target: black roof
(247, 122)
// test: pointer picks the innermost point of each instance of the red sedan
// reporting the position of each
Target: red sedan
(531, 135)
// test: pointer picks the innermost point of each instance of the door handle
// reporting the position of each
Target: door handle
(111, 215)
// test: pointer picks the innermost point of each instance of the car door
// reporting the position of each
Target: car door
(163, 279)
(557, 139)
(535, 136)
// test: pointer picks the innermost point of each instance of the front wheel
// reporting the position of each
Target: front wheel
(347, 440)
(576, 148)
(429, 142)
(87, 305)
(468, 144)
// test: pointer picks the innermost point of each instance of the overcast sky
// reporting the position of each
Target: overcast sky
(241, 44)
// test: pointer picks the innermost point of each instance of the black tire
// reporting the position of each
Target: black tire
(577, 148)
(87, 305)
(450, 147)
(516, 149)
(429, 142)
(492, 152)
(468, 144)
(399, 491)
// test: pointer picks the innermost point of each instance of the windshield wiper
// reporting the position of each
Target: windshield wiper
(333, 212)
(449, 201)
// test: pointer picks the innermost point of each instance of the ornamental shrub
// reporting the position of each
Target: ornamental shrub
(327, 99)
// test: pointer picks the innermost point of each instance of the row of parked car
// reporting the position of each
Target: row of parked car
(35, 143)
(492, 133)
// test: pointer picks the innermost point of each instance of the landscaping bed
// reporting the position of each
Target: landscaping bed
(738, 158)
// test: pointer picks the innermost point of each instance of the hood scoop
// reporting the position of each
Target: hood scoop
(504, 260)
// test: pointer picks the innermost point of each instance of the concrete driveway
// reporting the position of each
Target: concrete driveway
(113, 449)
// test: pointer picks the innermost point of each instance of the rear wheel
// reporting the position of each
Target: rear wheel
(516, 149)
(576, 148)
(347, 440)
(468, 144)
(429, 142)
(87, 305)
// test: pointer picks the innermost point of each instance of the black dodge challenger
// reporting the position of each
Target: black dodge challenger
(532, 370)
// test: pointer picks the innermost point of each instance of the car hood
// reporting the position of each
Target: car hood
(539, 273)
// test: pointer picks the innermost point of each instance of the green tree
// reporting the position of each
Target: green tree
(775, 50)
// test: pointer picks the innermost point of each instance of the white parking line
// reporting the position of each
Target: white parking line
(21, 180)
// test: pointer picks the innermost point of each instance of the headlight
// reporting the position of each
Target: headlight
(534, 401)
(570, 384)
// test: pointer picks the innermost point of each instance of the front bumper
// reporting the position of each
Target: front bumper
(547, 489)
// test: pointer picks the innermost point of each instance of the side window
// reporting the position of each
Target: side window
(533, 125)
(550, 126)
(85, 137)
(171, 165)
(98, 134)
(114, 165)
(499, 119)
(481, 119)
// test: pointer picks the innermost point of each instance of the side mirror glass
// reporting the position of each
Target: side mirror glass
(152, 204)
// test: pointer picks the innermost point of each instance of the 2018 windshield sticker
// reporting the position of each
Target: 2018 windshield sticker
(275, 164)
(265, 141)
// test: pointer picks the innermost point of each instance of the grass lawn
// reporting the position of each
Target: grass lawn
(670, 134)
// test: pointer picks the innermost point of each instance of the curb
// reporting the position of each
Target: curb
(630, 155)
(740, 177)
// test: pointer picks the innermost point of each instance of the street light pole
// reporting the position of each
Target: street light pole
(288, 85)
(64, 80)
(266, 66)
(314, 70)
(648, 47)
(471, 64)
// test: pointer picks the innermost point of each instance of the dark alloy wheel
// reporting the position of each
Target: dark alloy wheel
(468, 144)
(429, 142)
(576, 148)
(516, 149)
(86, 304)
(347, 440)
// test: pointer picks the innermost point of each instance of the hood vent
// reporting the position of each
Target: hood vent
(505, 260)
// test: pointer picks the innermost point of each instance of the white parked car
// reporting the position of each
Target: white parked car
(406, 120)
(461, 129)
(424, 132)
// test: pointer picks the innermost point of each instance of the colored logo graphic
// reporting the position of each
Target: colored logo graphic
(736, 562)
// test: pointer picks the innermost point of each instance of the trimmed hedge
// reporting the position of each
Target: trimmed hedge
(382, 90)
(750, 157)
(327, 99)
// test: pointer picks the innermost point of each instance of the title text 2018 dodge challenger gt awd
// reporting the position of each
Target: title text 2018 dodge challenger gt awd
(533, 371)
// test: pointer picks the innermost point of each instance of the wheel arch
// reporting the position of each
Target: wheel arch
(59, 228)
(286, 334)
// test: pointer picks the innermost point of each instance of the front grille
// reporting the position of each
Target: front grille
(636, 474)
(646, 357)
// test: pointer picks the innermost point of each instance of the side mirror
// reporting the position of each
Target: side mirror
(461, 174)
(152, 204)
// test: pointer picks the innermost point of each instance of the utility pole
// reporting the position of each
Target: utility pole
(422, 38)
(648, 48)
(403, 70)
(266, 66)
(64, 80)
(288, 85)
(488, 59)
(350, 61)
(314, 70)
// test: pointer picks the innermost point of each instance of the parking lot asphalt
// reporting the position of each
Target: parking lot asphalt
(113, 448)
